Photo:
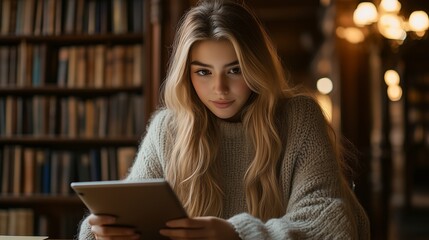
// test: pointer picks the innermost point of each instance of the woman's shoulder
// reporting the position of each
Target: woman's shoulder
(160, 119)
(300, 112)
(304, 104)
(160, 115)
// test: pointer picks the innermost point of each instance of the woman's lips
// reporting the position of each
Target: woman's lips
(222, 104)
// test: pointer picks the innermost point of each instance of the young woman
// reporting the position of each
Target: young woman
(248, 156)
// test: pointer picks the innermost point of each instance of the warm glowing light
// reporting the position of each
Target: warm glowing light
(351, 34)
(390, 23)
(325, 2)
(325, 103)
(391, 77)
(390, 26)
(394, 92)
(394, 33)
(419, 21)
(390, 6)
(324, 85)
(420, 34)
(365, 14)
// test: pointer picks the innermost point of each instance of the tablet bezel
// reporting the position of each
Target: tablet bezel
(145, 204)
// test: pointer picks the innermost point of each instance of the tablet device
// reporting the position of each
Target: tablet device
(146, 205)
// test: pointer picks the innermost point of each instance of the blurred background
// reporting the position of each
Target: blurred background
(365, 61)
(368, 64)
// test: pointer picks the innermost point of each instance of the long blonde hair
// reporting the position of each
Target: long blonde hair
(192, 168)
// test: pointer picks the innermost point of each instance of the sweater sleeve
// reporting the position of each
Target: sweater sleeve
(148, 163)
(319, 204)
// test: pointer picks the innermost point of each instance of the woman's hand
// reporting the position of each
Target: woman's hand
(200, 228)
(101, 231)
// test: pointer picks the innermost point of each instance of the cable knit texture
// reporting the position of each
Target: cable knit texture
(318, 206)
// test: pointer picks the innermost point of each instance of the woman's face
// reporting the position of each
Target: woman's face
(217, 78)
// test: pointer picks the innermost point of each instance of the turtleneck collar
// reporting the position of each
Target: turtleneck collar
(231, 129)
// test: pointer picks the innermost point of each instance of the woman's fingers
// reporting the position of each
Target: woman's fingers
(101, 226)
(101, 219)
(185, 223)
(112, 231)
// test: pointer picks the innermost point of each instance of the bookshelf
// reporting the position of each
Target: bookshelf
(417, 138)
(76, 91)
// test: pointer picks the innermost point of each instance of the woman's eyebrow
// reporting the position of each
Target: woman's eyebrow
(232, 63)
(210, 66)
(200, 64)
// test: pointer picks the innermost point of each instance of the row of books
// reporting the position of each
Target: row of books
(17, 222)
(54, 17)
(118, 115)
(418, 117)
(26, 170)
(25, 222)
(27, 65)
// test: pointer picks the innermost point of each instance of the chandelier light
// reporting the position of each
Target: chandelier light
(394, 90)
(388, 21)
(365, 14)
(419, 22)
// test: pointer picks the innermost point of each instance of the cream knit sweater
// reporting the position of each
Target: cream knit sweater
(318, 206)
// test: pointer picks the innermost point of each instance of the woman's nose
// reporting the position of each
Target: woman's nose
(221, 85)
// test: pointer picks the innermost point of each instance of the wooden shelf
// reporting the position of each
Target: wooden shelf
(51, 108)
(419, 86)
(66, 91)
(37, 199)
(43, 60)
(74, 39)
(58, 142)
(419, 105)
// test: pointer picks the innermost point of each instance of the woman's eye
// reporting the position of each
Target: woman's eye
(235, 70)
(203, 72)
